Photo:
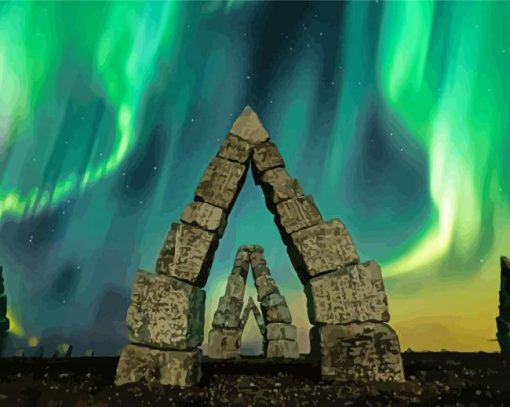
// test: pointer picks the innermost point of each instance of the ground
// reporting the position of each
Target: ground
(444, 378)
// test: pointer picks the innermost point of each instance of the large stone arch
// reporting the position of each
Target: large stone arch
(346, 300)
(275, 321)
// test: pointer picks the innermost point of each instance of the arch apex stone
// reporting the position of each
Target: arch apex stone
(248, 127)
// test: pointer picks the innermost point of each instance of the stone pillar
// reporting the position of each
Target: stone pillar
(281, 338)
(503, 320)
(165, 319)
(346, 301)
(4, 321)
(165, 325)
(349, 309)
(225, 337)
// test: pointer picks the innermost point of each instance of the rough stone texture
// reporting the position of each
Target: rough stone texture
(278, 186)
(165, 312)
(205, 216)
(221, 183)
(321, 248)
(224, 344)
(259, 270)
(235, 149)
(297, 213)
(235, 286)
(282, 349)
(228, 313)
(355, 293)
(277, 331)
(257, 259)
(275, 309)
(241, 263)
(187, 254)
(266, 286)
(266, 156)
(251, 307)
(248, 127)
(176, 368)
(363, 352)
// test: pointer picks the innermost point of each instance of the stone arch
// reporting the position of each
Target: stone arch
(252, 308)
(275, 321)
(346, 300)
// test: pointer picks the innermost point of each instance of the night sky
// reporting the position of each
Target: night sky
(393, 116)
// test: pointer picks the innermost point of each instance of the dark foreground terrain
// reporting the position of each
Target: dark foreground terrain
(455, 379)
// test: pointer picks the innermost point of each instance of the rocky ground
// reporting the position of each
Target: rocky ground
(455, 379)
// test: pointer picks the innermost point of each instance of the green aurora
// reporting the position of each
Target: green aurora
(392, 115)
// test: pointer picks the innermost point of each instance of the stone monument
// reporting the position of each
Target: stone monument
(346, 299)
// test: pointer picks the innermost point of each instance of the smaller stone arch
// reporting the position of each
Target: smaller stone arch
(251, 307)
(274, 322)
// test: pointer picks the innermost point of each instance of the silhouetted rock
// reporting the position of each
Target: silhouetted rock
(503, 321)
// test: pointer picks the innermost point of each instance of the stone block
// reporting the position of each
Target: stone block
(235, 148)
(362, 352)
(228, 313)
(165, 312)
(355, 293)
(296, 214)
(224, 344)
(278, 331)
(221, 183)
(278, 186)
(265, 157)
(275, 309)
(235, 286)
(205, 216)
(248, 127)
(259, 271)
(282, 349)
(257, 259)
(321, 248)
(266, 286)
(241, 263)
(187, 254)
(166, 367)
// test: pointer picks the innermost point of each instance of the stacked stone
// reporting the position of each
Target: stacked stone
(346, 300)
(165, 318)
(503, 320)
(4, 321)
(225, 337)
(349, 311)
(281, 335)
